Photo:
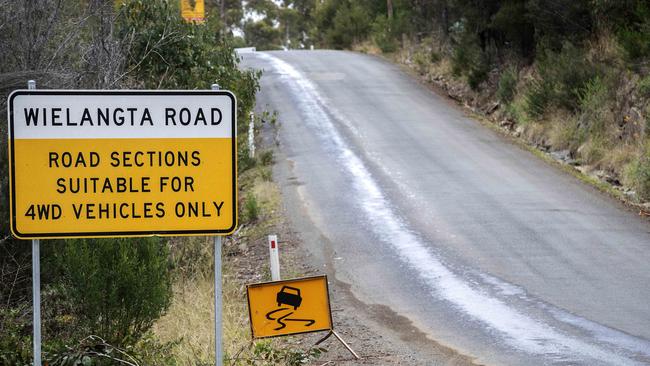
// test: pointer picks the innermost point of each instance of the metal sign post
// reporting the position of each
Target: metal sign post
(218, 344)
(36, 283)
(36, 299)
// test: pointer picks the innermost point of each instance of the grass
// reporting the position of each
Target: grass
(189, 321)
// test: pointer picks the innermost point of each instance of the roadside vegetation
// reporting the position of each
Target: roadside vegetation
(103, 299)
(569, 77)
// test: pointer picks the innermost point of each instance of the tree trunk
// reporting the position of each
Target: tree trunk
(389, 6)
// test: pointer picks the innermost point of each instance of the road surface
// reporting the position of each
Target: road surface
(482, 246)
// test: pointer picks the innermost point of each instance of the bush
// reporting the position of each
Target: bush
(644, 87)
(15, 335)
(251, 208)
(537, 98)
(507, 85)
(434, 57)
(350, 24)
(468, 59)
(593, 99)
(478, 73)
(119, 287)
(266, 157)
(244, 160)
(421, 61)
(264, 350)
(383, 35)
(634, 37)
(386, 32)
(638, 174)
(561, 78)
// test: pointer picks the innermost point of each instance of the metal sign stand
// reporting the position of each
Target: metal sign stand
(332, 332)
(218, 344)
(36, 283)
(36, 289)
(218, 347)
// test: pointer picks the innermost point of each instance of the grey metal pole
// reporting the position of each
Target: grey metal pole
(218, 343)
(36, 298)
(36, 283)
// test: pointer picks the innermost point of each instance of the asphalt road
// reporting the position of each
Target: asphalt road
(482, 246)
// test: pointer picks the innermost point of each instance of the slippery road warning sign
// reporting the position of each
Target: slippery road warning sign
(122, 163)
(289, 307)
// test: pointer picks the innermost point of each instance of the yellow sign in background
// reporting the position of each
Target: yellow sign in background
(125, 163)
(289, 307)
(193, 11)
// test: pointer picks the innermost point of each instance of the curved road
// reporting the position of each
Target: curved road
(485, 248)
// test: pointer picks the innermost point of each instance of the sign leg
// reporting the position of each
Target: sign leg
(218, 344)
(346, 345)
(36, 299)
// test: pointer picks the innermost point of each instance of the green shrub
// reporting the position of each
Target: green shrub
(593, 100)
(507, 85)
(244, 160)
(634, 35)
(383, 33)
(266, 157)
(119, 286)
(264, 350)
(266, 175)
(345, 22)
(434, 57)
(251, 208)
(468, 59)
(478, 73)
(561, 78)
(644, 87)
(465, 54)
(638, 174)
(15, 335)
(421, 61)
(537, 98)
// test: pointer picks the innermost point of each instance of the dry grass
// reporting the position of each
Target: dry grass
(190, 318)
(190, 322)
(563, 130)
(368, 47)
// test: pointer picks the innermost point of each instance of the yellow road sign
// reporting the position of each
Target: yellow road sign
(193, 10)
(289, 307)
(122, 163)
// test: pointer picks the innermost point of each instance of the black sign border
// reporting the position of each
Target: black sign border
(116, 234)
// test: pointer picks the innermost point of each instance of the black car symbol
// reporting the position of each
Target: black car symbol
(289, 296)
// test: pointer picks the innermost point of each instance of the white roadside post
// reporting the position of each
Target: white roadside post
(218, 345)
(36, 283)
(251, 136)
(275, 257)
